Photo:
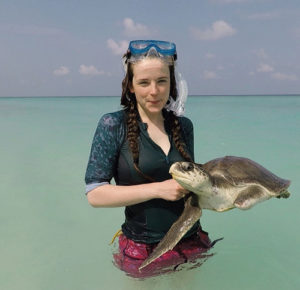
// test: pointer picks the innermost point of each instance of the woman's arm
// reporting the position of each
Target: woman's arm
(117, 195)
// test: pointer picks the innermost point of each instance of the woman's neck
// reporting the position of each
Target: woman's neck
(156, 118)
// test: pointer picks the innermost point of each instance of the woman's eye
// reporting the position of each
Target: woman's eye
(162, 81)
(143, 83)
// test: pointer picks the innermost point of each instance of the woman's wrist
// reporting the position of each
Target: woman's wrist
(154, 190)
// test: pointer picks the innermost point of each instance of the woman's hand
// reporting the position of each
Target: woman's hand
(171, 190)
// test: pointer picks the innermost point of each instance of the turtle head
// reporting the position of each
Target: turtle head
(190, 175)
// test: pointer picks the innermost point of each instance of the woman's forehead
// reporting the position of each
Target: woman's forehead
(150, 65)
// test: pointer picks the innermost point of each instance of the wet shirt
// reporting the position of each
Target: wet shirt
(111, 157)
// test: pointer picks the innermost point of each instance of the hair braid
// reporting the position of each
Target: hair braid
(177, 136)
(133, 132)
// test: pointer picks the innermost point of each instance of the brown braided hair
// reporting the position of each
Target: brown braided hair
(128, 101)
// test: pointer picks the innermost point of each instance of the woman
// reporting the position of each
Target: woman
(136, 146)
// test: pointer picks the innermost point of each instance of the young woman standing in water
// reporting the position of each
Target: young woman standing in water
(136, 146)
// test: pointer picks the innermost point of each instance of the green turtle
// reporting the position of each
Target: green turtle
(220, 185)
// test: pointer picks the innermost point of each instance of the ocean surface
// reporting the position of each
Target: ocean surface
(52, 239)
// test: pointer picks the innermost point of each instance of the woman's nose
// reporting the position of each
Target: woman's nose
(153, 88)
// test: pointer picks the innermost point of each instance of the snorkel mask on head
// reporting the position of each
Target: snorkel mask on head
(140, 49)
(143, 46)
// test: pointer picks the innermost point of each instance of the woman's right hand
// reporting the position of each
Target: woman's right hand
(171, 190)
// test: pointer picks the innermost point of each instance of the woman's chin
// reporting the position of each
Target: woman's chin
(155, 110)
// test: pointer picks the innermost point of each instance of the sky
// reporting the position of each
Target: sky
(74, 48)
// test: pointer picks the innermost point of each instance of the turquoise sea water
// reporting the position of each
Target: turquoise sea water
(52, 239)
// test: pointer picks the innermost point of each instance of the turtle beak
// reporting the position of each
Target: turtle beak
(182, 167)
(181, 171)
(174, 167)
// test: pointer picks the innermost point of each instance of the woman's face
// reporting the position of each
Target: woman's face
(151, 85)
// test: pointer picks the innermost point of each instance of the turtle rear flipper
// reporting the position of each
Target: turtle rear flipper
(250, 196)
(284, 194)
(189, 216)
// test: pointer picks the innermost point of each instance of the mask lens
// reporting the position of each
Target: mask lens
(139, 45)
(143, 46)
(164, 45)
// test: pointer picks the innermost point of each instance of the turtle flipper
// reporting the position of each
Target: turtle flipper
(250, 196)
(189, 216)
(284, 194)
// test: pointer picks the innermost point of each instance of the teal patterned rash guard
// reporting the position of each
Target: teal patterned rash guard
(110, 157)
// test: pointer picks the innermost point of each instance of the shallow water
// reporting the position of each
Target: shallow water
(52, 239)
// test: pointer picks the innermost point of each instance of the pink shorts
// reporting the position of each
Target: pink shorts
(131, 255)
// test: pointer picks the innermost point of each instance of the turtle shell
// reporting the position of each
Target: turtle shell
(234, 171)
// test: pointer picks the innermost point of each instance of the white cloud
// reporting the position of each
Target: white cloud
(90, 70)
(260, 53)
(284, 77)
(134, 29)
(61, 71)
(263, 67)
(209, 75)
(117, 48)
(218, 30)
(210, 55)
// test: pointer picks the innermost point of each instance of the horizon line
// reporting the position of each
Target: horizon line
(193, 95)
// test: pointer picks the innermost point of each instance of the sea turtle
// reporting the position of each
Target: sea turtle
(220, 185)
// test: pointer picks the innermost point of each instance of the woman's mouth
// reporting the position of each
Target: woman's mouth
(154, 102)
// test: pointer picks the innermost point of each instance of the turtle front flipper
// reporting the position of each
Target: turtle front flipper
(189, 216)
(250, 196)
